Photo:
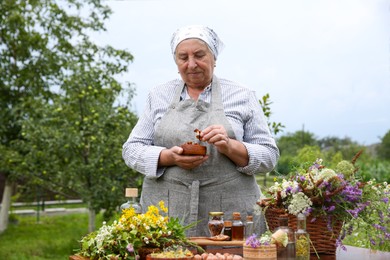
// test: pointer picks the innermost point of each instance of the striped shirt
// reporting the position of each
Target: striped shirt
(242, 110)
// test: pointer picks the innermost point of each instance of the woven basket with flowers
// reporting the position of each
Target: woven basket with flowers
(330, 198)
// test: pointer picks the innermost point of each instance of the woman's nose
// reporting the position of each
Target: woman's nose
(192, 63)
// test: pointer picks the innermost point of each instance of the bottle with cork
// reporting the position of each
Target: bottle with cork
(132, 194)
(302, 239)
(284, 239)
(237, 227)
(228, 229)
(249, 226)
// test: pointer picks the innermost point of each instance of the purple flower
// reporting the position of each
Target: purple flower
(130, 248)
(385, 200)
(377, 226)
(360, 207)
(252, 241)
(339, 243)
(352, 193)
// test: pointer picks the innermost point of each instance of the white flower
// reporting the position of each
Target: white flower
(299, 203)
(327, 174)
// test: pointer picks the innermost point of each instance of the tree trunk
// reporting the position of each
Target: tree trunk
(5, 205)
(91, 220)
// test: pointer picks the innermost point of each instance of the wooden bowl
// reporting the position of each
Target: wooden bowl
(193, 149)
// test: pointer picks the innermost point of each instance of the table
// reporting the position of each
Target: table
(235, 247)
(351, 253)
(211, 246)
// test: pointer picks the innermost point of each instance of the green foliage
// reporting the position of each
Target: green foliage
(377, 169)
(266, 106)
(60, 127)
(384, 147)
(290, 143)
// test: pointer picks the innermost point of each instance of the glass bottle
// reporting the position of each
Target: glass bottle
(302, 239)
(237, 227)
(216, 223)
(132, 194)
(227, 231)
(285, 240)
(249, 228)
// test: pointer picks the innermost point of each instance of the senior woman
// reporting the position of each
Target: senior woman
(233, 127)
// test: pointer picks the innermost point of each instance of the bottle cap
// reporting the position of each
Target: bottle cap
(131, 193)
(227, 223)
(249, 218)
(236, 215)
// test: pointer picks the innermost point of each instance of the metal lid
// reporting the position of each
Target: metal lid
(216, 213)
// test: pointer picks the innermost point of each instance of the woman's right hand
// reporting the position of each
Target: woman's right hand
(173, 156)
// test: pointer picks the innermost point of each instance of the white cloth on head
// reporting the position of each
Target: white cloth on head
(198, 32)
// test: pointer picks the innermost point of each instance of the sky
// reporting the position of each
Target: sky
(324, 63)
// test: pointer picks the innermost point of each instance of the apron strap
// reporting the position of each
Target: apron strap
(194, 202)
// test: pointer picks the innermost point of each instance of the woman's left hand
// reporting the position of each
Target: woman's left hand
(216, 135)
(235, 150)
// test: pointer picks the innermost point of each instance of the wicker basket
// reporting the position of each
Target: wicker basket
(263, 252)
(323, 240)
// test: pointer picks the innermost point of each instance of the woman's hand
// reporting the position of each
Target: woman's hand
(173, 156)
(235, 150)
(216, 135)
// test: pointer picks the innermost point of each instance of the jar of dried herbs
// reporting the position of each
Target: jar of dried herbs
(216, 223)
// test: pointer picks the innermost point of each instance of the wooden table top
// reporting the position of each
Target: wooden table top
(204, 241)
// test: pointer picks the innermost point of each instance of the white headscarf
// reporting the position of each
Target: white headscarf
(199, 32)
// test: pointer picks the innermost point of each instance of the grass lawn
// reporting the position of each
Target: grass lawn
(54, 237)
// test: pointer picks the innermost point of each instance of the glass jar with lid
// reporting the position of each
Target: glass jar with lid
(216, 223)
(132, 194)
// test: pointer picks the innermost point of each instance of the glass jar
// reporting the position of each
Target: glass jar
(216, 223)
(285, 240)
(132, 194)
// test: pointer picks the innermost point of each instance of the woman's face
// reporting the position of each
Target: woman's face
(195, 62)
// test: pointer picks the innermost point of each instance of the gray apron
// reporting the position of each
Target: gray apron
(216, 185)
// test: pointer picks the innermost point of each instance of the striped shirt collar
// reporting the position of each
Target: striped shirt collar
(205, 95)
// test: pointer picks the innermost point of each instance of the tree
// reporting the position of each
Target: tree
(54, 77)
(292, 142)
(345, 146)
(383, 149)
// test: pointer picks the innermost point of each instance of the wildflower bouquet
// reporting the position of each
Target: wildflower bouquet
(264, 240)
(124, 238)
(336, 195)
